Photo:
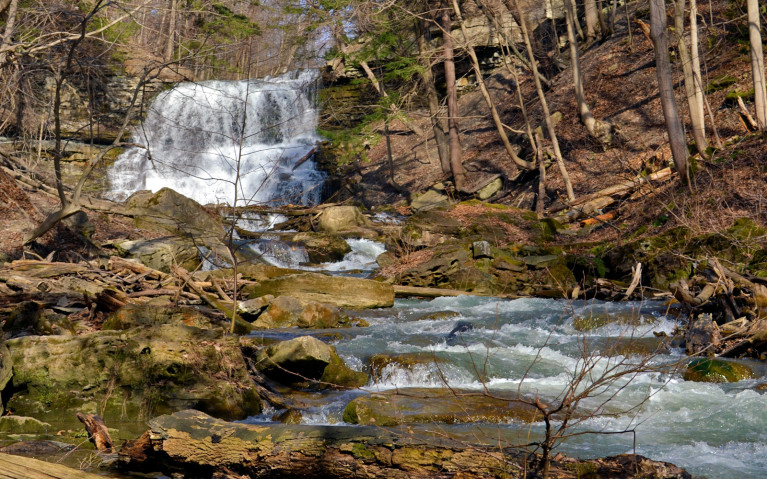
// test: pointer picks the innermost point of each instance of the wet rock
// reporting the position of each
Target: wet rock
(380, 363)
(291, 416)
(22, 425)
(702, 336)
(305, 360)
(345, 292)
(421, 405)
(323, 248)
(340, 219)
(161, 253)
(716, 371)
(36, 448)
(459, 328)
(138, 372)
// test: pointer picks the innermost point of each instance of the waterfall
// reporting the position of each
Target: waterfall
(201, 139)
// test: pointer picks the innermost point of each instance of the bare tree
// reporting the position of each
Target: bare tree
(514, 4)
(456, 164)
(592, 19)
(595, 128)
(691, 86)
(674, 128)
(757, 64)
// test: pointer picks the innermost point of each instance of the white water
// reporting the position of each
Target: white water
(203, 138)
(716, 430)
(361, 258)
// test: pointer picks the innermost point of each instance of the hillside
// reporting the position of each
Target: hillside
(621, 88)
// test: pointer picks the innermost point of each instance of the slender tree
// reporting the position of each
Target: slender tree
(427, 76)
(674, 128)
(757, 64)
(691, 86)
(592, 19)
(456, 164)
(514, 4)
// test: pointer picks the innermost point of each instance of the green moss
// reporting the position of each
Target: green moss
(716, 371)
(720, 83)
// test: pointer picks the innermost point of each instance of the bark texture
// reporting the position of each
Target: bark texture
(757, 64)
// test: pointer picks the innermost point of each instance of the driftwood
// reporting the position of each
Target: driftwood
(19, 467)
(97, 431)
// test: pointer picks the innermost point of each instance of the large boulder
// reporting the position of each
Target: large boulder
(171, 212)
(340, 219)
(162, 253)
(307, 361)
(135, 373)
(322, 248)
(288, 312)
(422, 405)
(345, 292)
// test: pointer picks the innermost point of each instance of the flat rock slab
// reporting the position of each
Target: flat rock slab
(345, 292)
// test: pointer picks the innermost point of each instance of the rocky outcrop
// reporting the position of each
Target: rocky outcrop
(345, 292)
(288, 312)
(138, 373)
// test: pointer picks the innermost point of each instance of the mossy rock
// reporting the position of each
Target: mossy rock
(408, 361)
(22, 425)
(322, 248)
(716, 371)
(138, 372)
(720, 83)
(428, 405)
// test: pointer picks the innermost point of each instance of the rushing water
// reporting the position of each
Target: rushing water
(716, 430)
(201, 138)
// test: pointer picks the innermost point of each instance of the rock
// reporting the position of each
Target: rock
(339, 219)
(80, 223)
(251, 309)
(30, 318)
(155, 312)
(133, 373)
(36, 448)
(162, 253)
(427, 405)
(481, 249)
(430, 200)
(490, 189)
(6, 371)
(291, 416)
(174, 213)
(23, 425)
(459, 328)
(289, 312)
(323, 248)
(345, 292)
(702, 336)
(716, 371)
(305, 359)
(380, 363)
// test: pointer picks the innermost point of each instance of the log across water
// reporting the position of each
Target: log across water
(198, 445)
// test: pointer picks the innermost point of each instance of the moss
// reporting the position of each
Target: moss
(340, 375)
(745, 229)
(360, 451)
(716, 371)
(720, 83)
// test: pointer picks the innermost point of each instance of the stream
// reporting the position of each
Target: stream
(198, 141)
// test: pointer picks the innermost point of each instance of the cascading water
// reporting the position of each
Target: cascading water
(201, 139)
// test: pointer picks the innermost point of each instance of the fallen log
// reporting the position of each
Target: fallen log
(194, 443)
(19, 467)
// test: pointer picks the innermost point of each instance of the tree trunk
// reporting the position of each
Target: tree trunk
(590, 9)
(696, 109)
(583, 108)
(456, 164)
(544, 105)
(666, 88)
(9, 26)
(437, 123)
(757, 64)
(171, 31)
(528, 165)
(695, 60)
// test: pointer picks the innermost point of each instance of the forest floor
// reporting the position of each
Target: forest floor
(621, 88)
